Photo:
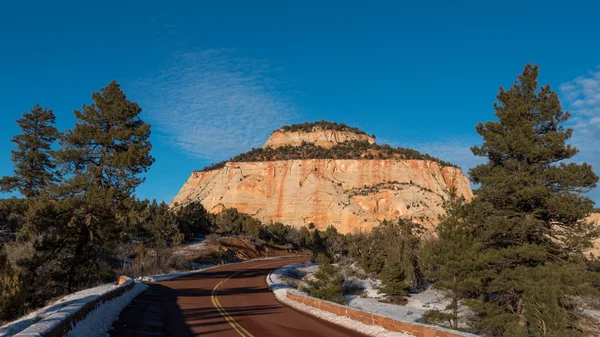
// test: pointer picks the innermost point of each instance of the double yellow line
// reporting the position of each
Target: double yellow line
(215, 301)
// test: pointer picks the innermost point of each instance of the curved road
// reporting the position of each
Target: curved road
(228, 301)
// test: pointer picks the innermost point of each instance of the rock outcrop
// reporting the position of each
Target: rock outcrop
(351, 194)
(323, 138)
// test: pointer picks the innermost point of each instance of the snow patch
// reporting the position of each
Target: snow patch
(281, 280)
(45, 319)
(278, 284)
(98, 322)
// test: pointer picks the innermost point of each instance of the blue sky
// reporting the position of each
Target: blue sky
(215, 78)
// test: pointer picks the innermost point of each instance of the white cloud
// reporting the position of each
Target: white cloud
(581, 97)
(213, 105)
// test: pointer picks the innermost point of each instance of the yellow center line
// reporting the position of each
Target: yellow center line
(215, 301)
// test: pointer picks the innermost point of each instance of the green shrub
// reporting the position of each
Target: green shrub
(392, 282)
(354, 149)
(437, 317)
(322, 125)
(327, 284)
(13, 291)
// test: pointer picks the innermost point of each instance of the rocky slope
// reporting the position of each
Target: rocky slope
(350, 194)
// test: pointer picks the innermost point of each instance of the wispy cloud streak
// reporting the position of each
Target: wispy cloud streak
(213, 105)
(582, 97)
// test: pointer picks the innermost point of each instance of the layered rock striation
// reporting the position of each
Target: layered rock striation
(323, 138)
(293, 182)
(352, 195)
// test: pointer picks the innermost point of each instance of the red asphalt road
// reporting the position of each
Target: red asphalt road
(229, 301)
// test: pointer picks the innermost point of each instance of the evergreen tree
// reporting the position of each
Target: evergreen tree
(193, 220)
(228, 222)
(13, 291)
(526, 222)
(102, 157)
(392, 283)
(449, 261)
(109, 147)
(12, 213)
(253, 227)
(393, 243)
(162, 225)
(317, 244)
(327, 283)
(34, 166)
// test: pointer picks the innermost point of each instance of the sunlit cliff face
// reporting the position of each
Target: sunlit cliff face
(351, 194)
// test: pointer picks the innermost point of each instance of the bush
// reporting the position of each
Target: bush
(163, 227)
(228, 222)
(437, 317)
(327, 284)
(149, 261)
(12, 213)
(193, 220)
(13, 291)
(351, 287)
(392, 283)
(394, 244)
(354, 149)
(320, 125)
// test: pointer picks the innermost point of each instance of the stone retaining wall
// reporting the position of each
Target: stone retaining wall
(414, 329)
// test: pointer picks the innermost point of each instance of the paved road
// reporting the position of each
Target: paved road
(229, 301)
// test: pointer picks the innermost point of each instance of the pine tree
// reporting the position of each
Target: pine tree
(317, 244)
(449, 261)
(327, 283)
(193, 220)
(109, 147)
(102, 157)
(162, 225)
(13, 291)
(35, 168)
(392, 283)
(526, 222)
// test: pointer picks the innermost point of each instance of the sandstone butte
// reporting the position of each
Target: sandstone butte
(351, 194)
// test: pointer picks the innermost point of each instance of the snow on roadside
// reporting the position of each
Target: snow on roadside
(417, 305)
(369, 300)
(98, 322)
(48, 317)
(278, 284)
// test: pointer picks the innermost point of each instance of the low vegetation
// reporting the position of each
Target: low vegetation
(328, 282)
(321, 125)
(354, 149)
